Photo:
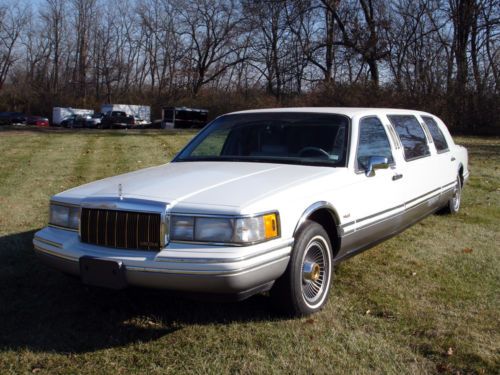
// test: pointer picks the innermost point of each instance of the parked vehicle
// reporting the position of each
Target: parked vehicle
(116, 119)
(59, 114)
(37, 121)
(12, 118)
(183, 117)
(75, 121)
(260, 200)
(139, 121)
(139, 112)
(94, 121)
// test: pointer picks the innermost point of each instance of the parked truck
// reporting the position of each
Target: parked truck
(116, 119)
(61, 113)
(141, 113)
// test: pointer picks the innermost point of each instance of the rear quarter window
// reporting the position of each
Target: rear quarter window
(436, 133)
(411, 135)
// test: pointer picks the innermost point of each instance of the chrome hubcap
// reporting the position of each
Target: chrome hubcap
(311, 271)
(315, 270)
(456, 195)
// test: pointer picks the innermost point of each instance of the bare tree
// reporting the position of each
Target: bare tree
(462, 13)
(267, 24)
(12, 21)
(160, 42)
(84, 23)
(211, 30)
(53, 16)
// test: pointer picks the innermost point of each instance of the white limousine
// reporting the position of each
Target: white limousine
(260, 200)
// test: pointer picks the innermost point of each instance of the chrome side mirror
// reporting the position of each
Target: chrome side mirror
(374, 163)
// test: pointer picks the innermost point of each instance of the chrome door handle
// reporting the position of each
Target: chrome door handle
(397, 176)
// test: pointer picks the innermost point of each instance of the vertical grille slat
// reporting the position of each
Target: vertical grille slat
(143, 230)
(92, 225)
(110, 228)
(84, 219)
(121, 229)
(101, 227)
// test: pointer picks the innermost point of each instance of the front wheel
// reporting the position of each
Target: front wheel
(304, 287)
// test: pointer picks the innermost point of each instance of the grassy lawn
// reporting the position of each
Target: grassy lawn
(426, 301)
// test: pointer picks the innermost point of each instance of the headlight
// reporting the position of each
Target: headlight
(182, 228)
(64, 216)
(243, 230)
(213, 230)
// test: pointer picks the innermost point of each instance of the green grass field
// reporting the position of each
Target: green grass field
(426, 301)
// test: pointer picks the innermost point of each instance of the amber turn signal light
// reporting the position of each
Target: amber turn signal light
(270, 226)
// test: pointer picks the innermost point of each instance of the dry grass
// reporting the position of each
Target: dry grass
(423, 302)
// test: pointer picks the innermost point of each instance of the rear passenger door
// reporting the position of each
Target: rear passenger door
(444, 160)
(421, 186)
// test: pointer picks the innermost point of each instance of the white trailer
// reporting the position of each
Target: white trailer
(141, 112)
(59, 113)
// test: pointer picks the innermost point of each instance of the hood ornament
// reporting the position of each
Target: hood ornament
(120, 191)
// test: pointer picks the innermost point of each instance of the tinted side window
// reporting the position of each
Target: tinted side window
(436, 133)
(412, 136)
(372, 142)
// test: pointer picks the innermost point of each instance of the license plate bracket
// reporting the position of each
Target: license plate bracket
(102, 272)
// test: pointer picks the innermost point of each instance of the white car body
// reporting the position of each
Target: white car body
(364, 210)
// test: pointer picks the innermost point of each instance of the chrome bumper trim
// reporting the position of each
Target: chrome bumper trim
(213, 272)
(55, 254)
(48, 242)
(225, 260)
(63, 228)
(236, 272)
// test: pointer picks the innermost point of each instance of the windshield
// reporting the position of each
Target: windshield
(294, 138)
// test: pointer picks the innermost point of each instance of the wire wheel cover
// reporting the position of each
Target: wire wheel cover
(316, 254)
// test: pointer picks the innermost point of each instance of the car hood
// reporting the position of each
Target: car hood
(222, 184)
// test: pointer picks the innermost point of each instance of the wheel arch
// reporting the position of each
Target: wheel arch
(326, 215)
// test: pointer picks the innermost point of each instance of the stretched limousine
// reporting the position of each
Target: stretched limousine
(260, 200)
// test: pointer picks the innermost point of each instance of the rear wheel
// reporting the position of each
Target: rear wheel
(453, 205)
(304, 287)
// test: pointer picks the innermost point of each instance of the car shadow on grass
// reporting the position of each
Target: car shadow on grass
(44, 310)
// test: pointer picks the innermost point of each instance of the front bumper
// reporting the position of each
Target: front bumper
(179, 267)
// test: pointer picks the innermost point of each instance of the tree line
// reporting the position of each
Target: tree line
(436, 55)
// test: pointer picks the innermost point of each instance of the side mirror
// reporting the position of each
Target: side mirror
(374, 163)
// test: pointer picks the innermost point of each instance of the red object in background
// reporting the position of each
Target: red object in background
(37, 121)
(42, 123)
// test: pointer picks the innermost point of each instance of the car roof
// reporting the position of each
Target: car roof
(346, 111)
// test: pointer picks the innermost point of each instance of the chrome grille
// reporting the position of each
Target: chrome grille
(121, 229)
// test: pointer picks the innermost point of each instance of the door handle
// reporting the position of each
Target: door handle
(453, 158)
(397, 176)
